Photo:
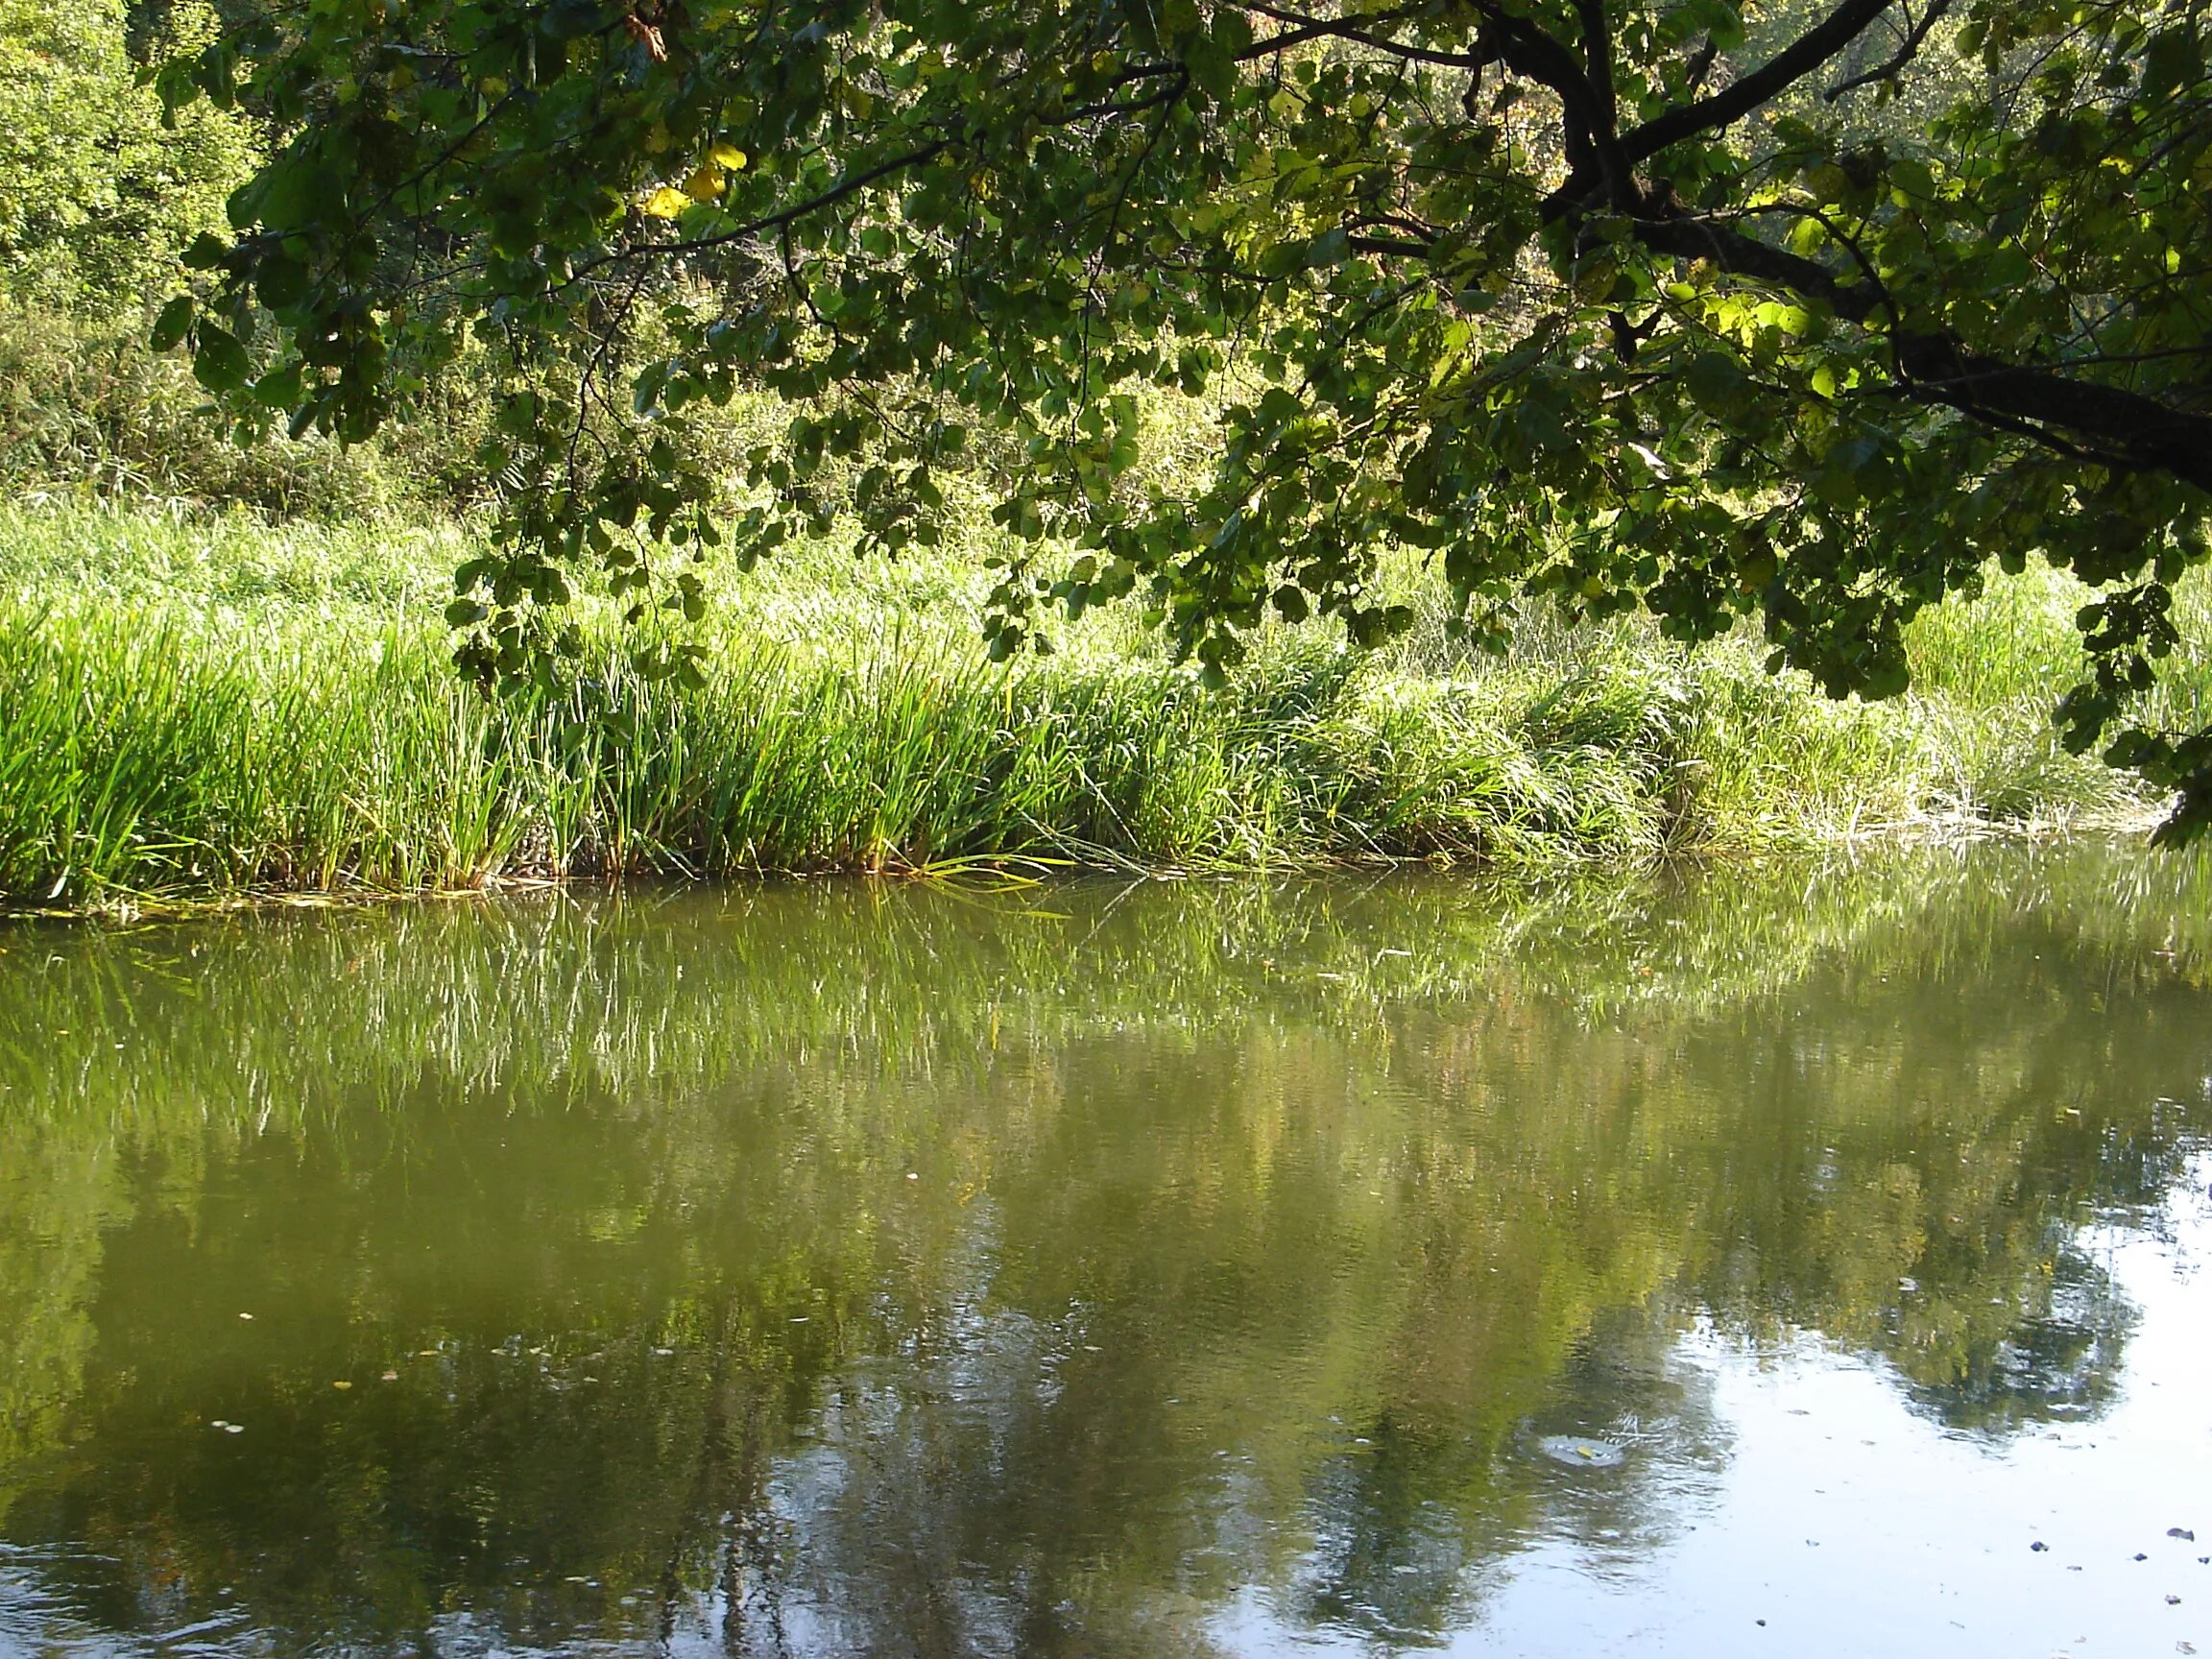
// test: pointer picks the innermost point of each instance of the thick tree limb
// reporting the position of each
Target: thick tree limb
(1595, 157)
(2118, 427)
(1689, 237)
(1808, 53)
(2131, 431)
(1598, 57)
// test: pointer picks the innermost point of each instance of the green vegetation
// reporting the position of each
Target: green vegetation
(193, 706)
(95, 200)
(96, 197)
(1798, 311)
(198, 702)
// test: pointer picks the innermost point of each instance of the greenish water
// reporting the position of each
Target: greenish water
(1106, 1269)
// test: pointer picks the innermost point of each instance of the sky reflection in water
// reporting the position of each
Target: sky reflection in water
(1158, 1269)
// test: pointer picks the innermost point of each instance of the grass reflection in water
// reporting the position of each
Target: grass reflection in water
(882, 1269)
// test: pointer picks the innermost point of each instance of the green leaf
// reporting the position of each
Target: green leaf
(207, 252)
(171, 325)
(280, 282)
(219, 362)
(281, 388)
(1719, 383)
(2174, 59)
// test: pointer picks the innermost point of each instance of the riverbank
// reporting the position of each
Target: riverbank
(197, 708)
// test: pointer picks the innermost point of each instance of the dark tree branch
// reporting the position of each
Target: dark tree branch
(1904, 55)
(1685, 236)
(854, 182)
(1598, 60)
(1808, 53)
(1701, 63)
(1870, 278)
(2116, 428)
(1595, 157)
(1134, 106)
(2138, 434)
(1300, 28)
(1389, 246)
(849, 186)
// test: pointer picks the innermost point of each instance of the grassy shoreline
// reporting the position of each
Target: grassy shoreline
(197, 709)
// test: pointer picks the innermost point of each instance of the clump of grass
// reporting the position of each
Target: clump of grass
(208, 707)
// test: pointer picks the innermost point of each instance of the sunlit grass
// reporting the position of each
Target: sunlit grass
(206, 705)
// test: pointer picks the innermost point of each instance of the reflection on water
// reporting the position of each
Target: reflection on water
(1103, 1270)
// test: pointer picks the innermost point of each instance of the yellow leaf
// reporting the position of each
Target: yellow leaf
(705, 182)
(664, 203)
(728, 155)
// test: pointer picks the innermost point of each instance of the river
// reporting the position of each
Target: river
(1796, 1259)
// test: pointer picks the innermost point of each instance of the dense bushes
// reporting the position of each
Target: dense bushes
(97, 198)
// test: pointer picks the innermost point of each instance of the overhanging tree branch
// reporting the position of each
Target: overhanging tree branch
(1906, 52)
(852, 185)
(2126, 429)
(2131, 432)
(1808, 53)
(1300, 28)
(1687, 237)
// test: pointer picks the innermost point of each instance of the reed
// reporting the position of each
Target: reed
(200, 707)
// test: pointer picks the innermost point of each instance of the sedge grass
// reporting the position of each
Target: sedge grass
(208, 707)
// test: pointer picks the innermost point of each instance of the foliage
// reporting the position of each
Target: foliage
(196, 707)
(1653, 303)
(86, 409)
(96, 197)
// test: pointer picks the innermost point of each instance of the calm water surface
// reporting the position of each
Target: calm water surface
(1766, 1264)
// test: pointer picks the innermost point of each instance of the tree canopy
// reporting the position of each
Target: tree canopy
(1793, 312)
(94, 197)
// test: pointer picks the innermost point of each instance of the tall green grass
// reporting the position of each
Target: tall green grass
(200, 707)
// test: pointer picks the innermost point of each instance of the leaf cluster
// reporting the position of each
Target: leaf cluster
(1581, 298)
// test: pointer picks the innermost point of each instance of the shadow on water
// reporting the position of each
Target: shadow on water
(846, 1269)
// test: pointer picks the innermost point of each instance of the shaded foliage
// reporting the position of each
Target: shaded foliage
(1643, 303)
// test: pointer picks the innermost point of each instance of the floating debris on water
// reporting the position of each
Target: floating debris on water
(1580, 1453)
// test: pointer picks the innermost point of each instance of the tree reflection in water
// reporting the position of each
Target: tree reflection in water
(836, 1268)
